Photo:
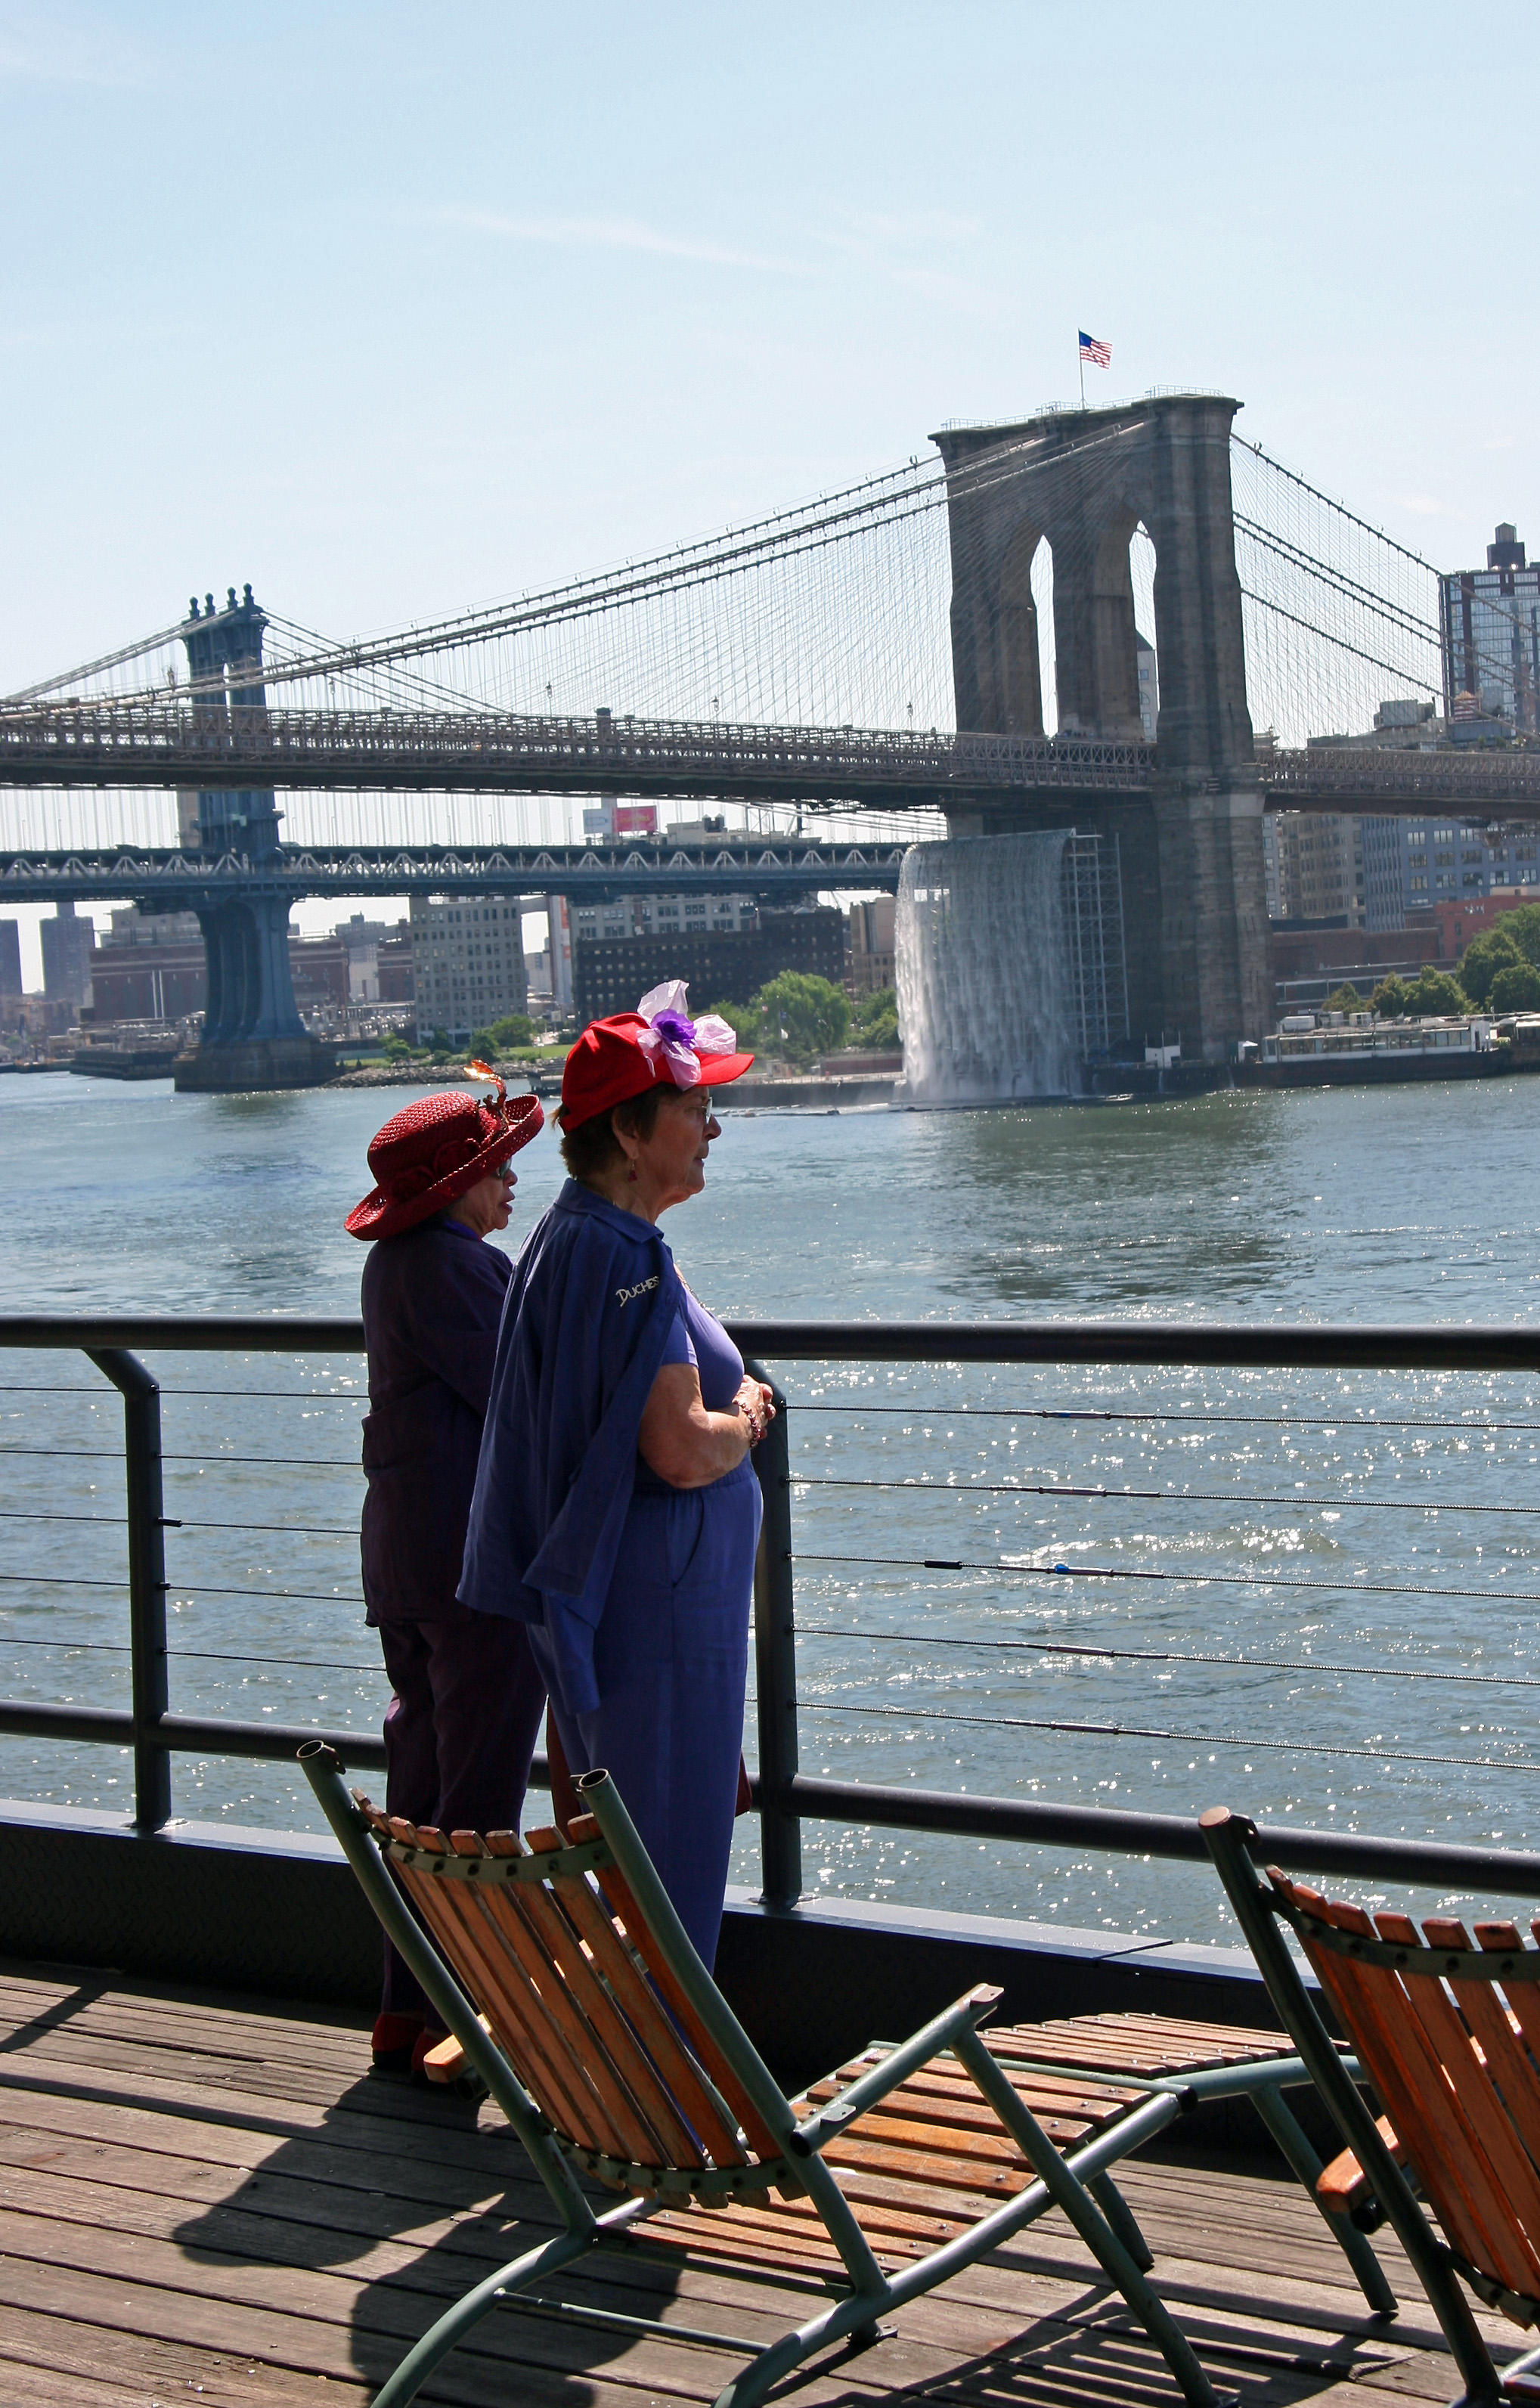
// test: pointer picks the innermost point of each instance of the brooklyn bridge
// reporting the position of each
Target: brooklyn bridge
(1129, 624)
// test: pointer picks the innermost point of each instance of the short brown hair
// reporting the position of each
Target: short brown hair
(592, 1149)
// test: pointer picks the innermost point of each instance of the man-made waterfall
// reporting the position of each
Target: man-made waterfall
(985, 1006)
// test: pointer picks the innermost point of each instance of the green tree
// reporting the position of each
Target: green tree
(1523, 926)
(1347, 998)
(742, 1018)
(483, 1045)
(516, 1028)
(877, 1018)
(1493, 950)
(805, 1015)
(395, 1049)
(1437, 992)
(1515, 988)
(438, 1045)
(1392, 998)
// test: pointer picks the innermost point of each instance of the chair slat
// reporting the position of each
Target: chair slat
(1458, 2180)
(1509, 2065)
(506, 1907)
(563, 2089)
(658, 2035)
(1372, 2005)
(617, 1890)
(1515, 2191)
(621, 2067)
(523, 2030)
(1382, 2051)
(1503, 1937)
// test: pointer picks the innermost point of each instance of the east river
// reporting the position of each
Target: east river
(1346, 1537)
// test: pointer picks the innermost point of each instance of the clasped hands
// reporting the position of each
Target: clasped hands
(755, 1402)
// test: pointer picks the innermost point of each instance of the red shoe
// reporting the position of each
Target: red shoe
(429, 2039)
(392, 2041)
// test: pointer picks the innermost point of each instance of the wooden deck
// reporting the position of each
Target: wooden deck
(204, 2199)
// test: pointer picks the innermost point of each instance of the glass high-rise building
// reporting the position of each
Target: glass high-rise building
(1490, 622)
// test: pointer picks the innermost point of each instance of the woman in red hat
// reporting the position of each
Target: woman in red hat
(616, 1512)
(462, 1722)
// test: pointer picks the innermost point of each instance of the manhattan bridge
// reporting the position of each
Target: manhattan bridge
(953, 646)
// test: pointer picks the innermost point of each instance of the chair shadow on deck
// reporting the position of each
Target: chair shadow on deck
(436, 2192)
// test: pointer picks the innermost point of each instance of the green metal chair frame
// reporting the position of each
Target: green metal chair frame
(559, 1966)
(1450, 2061)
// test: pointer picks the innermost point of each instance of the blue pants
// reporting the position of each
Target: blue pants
(460, 1732)
(670, 1659)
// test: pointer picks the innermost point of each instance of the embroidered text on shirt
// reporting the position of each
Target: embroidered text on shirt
(624, 1294)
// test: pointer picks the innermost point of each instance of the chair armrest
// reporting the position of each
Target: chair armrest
(964, 2015)
(1344, 2188)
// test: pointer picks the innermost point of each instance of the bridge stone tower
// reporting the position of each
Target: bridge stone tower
(1194, 896)
(252, 1034)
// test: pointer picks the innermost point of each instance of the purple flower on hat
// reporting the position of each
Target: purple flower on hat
(678, 1040)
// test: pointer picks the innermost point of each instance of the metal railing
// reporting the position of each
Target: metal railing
(595, 873)
(783, 1795)
(139, 743)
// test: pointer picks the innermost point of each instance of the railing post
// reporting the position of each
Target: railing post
(775, 1664)
(141, 1397)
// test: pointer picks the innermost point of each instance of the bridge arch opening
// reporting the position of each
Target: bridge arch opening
(1142, 566)
(1019, 681)
(1047, 654)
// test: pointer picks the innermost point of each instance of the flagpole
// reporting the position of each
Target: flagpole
(1081, 357)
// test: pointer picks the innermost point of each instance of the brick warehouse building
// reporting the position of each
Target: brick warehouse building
(721, 965)
(170, 982)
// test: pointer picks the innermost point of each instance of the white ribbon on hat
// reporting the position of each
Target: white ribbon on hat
(677, 1039)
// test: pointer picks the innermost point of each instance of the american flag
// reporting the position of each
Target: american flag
(1099, 354)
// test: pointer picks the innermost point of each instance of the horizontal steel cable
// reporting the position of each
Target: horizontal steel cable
(266, 1396)
(273, 1529)
(1109, 1413)
(1187, 1738)
(58, 1580)
(198, 1655)
(1155, 1495)
(256, 1462)
(185, 1588)
(95, 1454)
(194, 1589)
(172, 1522)
(19, 1513)
(1198, 1579)
(1173, 1655)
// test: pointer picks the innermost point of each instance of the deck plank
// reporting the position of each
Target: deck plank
(213, 2199)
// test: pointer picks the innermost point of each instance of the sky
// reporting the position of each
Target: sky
(391, 310)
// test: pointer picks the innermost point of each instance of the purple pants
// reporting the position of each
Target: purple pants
(459, 1735)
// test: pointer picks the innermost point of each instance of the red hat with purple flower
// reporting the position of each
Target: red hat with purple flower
(426, 1158)
(656, 1045)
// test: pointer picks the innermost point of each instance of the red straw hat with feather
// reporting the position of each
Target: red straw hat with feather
(426, 1158)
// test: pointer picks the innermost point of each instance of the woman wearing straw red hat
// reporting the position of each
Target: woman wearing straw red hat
(615, 1510)
(463, 1719)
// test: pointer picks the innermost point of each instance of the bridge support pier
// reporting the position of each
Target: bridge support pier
(1216, 959)
(252, 1034)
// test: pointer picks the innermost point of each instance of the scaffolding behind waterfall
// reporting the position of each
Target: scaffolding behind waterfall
(1010, 964)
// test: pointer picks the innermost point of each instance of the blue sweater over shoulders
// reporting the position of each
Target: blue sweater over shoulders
(593, 1299)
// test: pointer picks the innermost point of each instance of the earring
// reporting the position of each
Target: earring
(631, 1176)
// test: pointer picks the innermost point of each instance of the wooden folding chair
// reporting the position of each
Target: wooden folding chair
(614, 2057)
(1448, 2034)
